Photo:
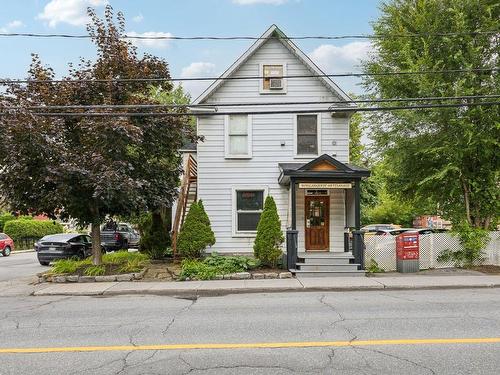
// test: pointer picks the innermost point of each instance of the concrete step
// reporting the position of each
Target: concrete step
(326, 260)
(326, 267)
(325, 254)
(299, 274)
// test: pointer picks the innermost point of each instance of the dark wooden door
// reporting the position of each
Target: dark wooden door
(317, 223)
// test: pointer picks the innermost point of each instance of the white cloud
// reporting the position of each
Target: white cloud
(150, 43)
(194, 70)
(11, 26)
(252, 2)
(334, 59)
(73, 12)
(138, 18)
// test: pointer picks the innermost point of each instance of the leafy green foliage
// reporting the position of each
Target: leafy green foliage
(269, 238)
(391, 210)
(195, 234)
(472, 240)
(22, 228)
(214, 264)
(4, 217)
(448, 156)
(121, 257)
(373, 267)
(356, 147)
(95, 270)
(124, 262)
(155, 237)
(88, 168)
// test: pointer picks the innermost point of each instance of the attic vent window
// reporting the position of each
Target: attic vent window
(273, 81)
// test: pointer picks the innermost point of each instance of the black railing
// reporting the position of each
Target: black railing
(291, 248)
(358, 248)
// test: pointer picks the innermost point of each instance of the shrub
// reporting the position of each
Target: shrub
(124, 261)
(373, 267)
(155, 236)
(22, 228)
(121, 257)
(215, 264)
(62, 266)
(195, 269)
(473, 241)
(4, 217)
(196, 233)
(267, 245)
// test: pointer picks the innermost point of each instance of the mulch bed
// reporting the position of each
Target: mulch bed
(495, 270)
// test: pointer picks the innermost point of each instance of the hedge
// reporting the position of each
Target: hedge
(19, 229)
(4, 217)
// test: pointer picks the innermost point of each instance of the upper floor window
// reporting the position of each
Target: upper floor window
(238, 136)
(273, 81)
(307, 135)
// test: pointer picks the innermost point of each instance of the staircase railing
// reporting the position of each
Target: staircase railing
(188, 180)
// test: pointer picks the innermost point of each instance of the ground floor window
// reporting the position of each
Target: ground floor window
(249, 204)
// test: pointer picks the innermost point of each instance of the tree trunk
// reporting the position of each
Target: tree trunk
(466, 201)
(96, 244)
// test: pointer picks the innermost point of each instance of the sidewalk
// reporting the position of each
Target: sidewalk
(223, 287)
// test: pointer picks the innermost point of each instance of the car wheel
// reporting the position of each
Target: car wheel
(125, 246)
(81, 255)
(44, 263)
(6, 252)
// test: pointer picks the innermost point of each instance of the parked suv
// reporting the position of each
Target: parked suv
(118, 236)
(6, 245)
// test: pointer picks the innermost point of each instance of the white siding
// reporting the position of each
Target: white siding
(217, 175)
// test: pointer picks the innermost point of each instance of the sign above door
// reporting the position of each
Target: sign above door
(326, 185)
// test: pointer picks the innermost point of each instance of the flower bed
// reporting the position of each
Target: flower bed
(216, 267)
(117, 266)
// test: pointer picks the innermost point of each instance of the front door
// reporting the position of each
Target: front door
(317, 215)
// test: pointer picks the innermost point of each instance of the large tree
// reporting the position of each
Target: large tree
(87, 167)
(447, 155)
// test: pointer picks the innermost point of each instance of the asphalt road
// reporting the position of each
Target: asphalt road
(312, 332)
(23, 265)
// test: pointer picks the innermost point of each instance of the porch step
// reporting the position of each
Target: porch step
(326, 258)
(299, 274)
(331, 267)
(326, 264)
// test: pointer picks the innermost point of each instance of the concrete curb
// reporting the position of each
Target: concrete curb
(212, 289)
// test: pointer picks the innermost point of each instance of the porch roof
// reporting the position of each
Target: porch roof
(323, 168)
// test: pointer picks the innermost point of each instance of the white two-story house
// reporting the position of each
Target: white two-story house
(275, 124)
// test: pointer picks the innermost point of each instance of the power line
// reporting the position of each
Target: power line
(207, 105)
(309, 111)
(302, 37)
(187, 79)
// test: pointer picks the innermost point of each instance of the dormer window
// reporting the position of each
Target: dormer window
(272, 79)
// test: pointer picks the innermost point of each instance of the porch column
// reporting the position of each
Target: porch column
(357, 204)
(294, 203)
(358, 243)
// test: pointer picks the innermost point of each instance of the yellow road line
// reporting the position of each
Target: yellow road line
(264, 345)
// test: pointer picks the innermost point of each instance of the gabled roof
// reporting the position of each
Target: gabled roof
(323, 168)
(273, 32)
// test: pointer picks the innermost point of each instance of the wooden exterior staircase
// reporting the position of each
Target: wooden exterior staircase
(187, 195)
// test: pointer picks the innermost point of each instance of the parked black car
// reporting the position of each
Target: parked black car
(119, 236)
(63, 246)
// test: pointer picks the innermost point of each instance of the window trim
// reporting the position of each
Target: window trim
(296, 155)
(235, 189)
(227, 149)
(263, 91)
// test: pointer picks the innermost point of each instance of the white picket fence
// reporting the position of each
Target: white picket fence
(383, 250)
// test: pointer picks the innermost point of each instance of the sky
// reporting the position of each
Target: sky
(189, 18)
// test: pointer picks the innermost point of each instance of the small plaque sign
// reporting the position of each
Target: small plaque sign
(324, 185)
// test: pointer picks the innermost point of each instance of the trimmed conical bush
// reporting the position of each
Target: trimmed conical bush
(195, 234)
(267, 245)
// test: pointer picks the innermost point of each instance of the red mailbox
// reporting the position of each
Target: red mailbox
(407, 252)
